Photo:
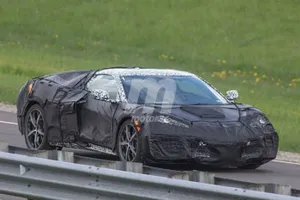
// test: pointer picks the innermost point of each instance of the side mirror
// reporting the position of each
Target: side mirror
(100, 94)
(232, 95)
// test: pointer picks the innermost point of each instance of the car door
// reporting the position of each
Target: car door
(97, 114)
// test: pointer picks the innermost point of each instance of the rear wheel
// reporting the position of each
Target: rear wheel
(35, 129)
(128, 147)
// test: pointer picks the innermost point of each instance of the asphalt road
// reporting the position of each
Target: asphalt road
(273, 172)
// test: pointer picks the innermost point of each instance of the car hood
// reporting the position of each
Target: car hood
(222, 124)
(199, 113)
(207, 113)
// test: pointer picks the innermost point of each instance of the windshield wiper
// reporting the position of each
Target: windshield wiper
(161, 104)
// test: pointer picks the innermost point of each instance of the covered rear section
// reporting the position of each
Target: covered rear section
(69, 78)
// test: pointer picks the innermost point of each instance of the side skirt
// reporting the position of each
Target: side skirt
(87, 146)
(100, 149)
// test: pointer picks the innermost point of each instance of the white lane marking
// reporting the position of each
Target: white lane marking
(286, 162)
(10, 123)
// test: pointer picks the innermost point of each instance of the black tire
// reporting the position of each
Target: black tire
(250, 166)
(123, 145)
(35, 129)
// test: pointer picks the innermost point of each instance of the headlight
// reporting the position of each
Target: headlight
(262, 120)
(259, 121)
(168, 120)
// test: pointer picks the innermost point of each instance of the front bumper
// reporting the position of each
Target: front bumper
(166, 149)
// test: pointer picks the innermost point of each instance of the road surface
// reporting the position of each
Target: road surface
(273, 172)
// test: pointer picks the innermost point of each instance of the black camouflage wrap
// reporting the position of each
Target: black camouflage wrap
(233, 134)
(223, 136)
(59, 95)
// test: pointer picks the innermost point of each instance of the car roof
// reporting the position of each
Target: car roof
(137, 71)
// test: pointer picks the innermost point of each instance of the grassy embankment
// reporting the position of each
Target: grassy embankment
(251, 46)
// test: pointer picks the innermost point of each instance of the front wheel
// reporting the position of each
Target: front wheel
(35, 129)
(128, 147)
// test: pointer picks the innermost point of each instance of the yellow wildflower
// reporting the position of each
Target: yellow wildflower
(255, 74)
(223, 74)
(264, 76)
(164, 56)
(223, 61)
(56, 36)
(277, 83)
(294, 80)
(257, 80)
(116, 57)
(254, 67)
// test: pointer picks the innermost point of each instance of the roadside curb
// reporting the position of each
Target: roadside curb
(282, 156)
(288, 157)
(8, 108)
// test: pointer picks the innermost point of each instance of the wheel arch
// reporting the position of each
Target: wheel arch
(25, 110)
(138, 154)
(124, 119)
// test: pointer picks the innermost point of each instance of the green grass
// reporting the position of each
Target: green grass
(39, 37)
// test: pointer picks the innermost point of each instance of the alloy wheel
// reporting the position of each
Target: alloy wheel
(35, 132)
(128, 142)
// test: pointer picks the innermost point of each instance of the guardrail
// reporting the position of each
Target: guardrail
(38, 178)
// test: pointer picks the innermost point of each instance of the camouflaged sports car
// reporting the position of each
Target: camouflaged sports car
(144, 115)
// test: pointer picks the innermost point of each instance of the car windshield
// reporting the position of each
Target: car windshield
(170, 90)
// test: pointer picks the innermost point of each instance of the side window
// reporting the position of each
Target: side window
(104, 82)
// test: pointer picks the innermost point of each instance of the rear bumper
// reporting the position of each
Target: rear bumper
(162, 149)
